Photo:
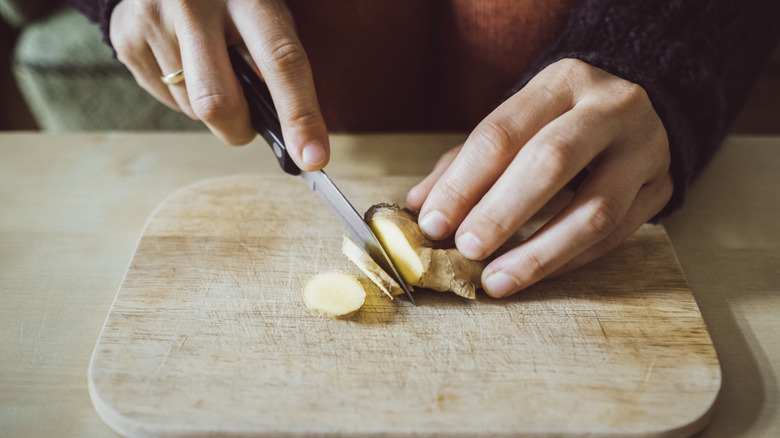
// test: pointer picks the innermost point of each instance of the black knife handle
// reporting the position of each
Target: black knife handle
(262, 112)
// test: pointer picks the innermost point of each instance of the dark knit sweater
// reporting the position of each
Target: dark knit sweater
(697, 60)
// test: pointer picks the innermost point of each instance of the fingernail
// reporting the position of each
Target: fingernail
(499, 284)
(313, 154)
(470, 246)
(434, 225)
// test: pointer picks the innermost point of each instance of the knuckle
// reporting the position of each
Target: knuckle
(125, 49)
(146, 9)
(237, 140)
(573, 66)
(554, 156)
(139, 24)
(285, 55)
(623, 99)
(132, 57)
(453, 194)
(651, 144)
(604, 215)
(304, 117)
(147, 18)
(574, 71)
(499, 225)
(663, 162)
(213, 106)
(630, 94)
(659, 148)
(534, 269)
(494, 137)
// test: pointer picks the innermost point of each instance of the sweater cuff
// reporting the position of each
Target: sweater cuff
(106, 9)
(99, 12)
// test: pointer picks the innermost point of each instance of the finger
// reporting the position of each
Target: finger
(648, 202)
(147, 73)
(594, 213)
(417, 195)
(540, 170)
(269, 34)
(132, 50)
(488, 151)
(212, 87)
(168, 57)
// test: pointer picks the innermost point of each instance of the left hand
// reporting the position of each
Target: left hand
(570, 117)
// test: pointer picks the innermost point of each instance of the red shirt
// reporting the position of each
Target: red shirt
(387, 65)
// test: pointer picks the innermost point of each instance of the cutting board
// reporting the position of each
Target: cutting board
(208, 335)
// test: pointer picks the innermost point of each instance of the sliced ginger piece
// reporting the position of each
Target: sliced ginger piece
(369, 267)
(421, 261)
(334, 294)
(398, 242)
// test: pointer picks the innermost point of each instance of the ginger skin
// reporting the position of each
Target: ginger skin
(421, 261)
(369, 267)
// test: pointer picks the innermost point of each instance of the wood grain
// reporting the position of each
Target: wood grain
(208, 334)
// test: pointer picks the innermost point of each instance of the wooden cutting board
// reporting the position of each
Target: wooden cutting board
(208, 335)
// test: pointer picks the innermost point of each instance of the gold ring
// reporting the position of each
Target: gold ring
(173, 78)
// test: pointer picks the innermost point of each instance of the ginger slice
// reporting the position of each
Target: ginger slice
(421, 261)
(376, 274)
(334, 294)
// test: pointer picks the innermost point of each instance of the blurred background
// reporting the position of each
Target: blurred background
(57, 75)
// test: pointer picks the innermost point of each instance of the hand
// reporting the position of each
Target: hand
(570, 117)
(156, 37)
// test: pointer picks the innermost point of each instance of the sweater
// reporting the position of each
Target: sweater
(696, 59)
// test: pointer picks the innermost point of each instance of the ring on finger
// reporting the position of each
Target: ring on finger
(173, 78)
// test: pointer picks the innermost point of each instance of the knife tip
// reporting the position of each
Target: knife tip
(409, 295)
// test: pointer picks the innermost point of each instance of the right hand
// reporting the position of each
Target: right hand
(157, 37)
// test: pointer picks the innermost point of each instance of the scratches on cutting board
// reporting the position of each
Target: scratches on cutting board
(601, 326)
(650, 370)
(608, 350)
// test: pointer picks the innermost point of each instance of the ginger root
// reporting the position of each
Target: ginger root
(369, 267)
(421, 261)
(334, 294)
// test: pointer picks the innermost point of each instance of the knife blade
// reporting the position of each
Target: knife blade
(266, 122)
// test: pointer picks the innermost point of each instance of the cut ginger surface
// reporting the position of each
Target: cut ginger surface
(334, 294)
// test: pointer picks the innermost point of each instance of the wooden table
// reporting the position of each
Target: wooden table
(74, 205)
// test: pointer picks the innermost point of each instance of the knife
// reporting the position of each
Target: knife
(265, 121)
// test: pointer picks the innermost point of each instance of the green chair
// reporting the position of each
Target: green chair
(69, 78)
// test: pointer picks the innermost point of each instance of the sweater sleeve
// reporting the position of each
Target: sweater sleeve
(98, 11)
(696, 59)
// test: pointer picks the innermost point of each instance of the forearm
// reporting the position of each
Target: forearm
(696, 60)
